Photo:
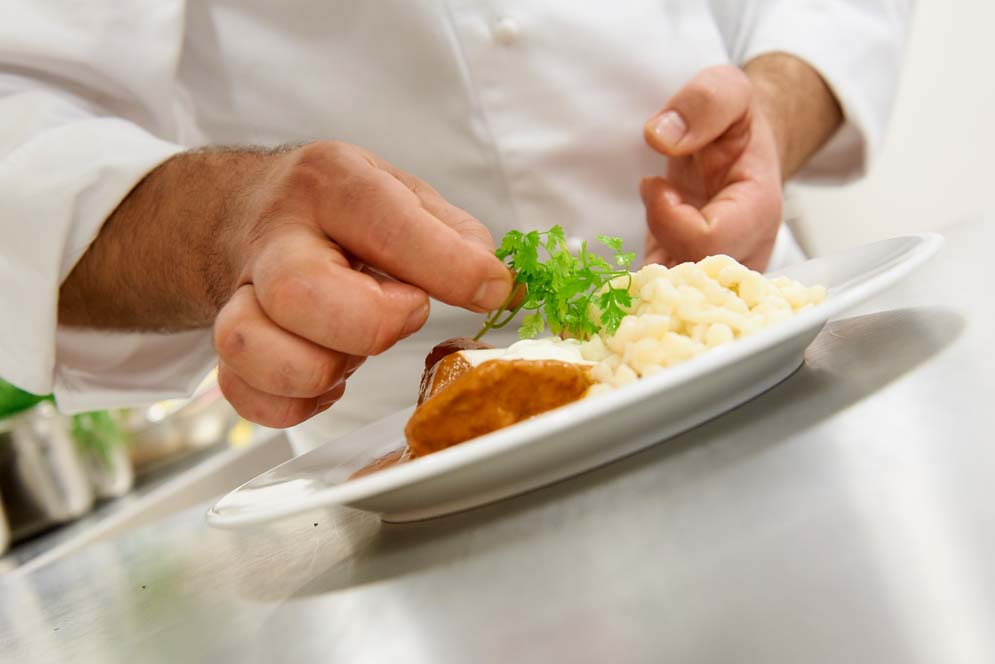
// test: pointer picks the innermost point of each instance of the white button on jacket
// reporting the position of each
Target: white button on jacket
(525, 113)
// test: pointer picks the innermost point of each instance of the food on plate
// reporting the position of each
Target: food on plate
(445, 362)
(611, 327)
(683, 311)
(390, 459)
(468, 393)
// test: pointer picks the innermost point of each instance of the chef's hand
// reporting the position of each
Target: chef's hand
(287, 255)
(732, 136)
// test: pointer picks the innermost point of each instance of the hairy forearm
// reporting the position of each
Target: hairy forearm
(803, 111)
(160, 261)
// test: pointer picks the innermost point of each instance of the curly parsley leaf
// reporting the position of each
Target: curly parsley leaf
(560, 290)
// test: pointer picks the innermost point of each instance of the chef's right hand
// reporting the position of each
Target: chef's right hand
(312, 248)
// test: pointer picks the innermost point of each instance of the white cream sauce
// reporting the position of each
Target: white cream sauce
(548, 348)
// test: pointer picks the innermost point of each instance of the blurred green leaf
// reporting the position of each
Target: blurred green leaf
(97, 433)
(14, 400)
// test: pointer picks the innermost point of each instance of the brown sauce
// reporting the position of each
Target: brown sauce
(387, 460)
(444, 363)
(442, 374)
(491, 396)
(457, 401)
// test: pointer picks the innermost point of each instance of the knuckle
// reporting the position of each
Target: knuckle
(229, 339)
(322, 155)
(231, 346)
(289, 290)
(310, 170)
(229, 334)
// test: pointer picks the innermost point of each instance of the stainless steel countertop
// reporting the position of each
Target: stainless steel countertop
(848, 515)
(163, 491)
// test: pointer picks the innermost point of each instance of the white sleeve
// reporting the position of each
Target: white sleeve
(87, 108)
(857, 47)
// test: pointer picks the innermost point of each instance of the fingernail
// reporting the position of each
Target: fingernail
(491, 294)
(671, 197)
(669, 128)
(415, 320)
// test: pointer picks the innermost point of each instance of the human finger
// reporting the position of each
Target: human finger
(268, 357)
(679, 228)
(741, 221)
(272, 410)
(655, 252)
(747, 218)
(305, 286)
(465, 224)
(377, 218)
(700, 112)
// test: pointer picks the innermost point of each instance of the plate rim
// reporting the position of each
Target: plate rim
(510, 438)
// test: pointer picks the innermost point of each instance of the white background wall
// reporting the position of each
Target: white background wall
(937, 163)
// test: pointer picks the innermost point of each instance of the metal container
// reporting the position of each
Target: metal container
(42, 480)
(168, 431)
(111, 476)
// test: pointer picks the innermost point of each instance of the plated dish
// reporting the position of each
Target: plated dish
(633, 414)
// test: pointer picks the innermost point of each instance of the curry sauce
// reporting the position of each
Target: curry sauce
(458, 400)
(491, 396)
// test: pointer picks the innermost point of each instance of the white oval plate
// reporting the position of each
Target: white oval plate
(575, 437)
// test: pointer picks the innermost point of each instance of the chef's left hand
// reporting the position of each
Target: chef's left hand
(722, 192)
(733, 136)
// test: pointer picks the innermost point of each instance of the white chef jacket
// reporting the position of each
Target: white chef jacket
(526, 113)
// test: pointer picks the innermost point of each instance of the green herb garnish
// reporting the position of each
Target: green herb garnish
(560, 290)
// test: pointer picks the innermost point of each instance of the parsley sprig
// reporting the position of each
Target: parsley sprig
(560, 289)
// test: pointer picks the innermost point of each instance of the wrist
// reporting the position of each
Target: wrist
(239, 181)
(208, 198)
(772, 114)
(167, 257)
(800, 108)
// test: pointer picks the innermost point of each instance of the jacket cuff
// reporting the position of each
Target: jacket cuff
(56, 191)
(858, 53)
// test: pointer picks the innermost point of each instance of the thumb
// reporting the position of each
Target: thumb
(700, 112)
